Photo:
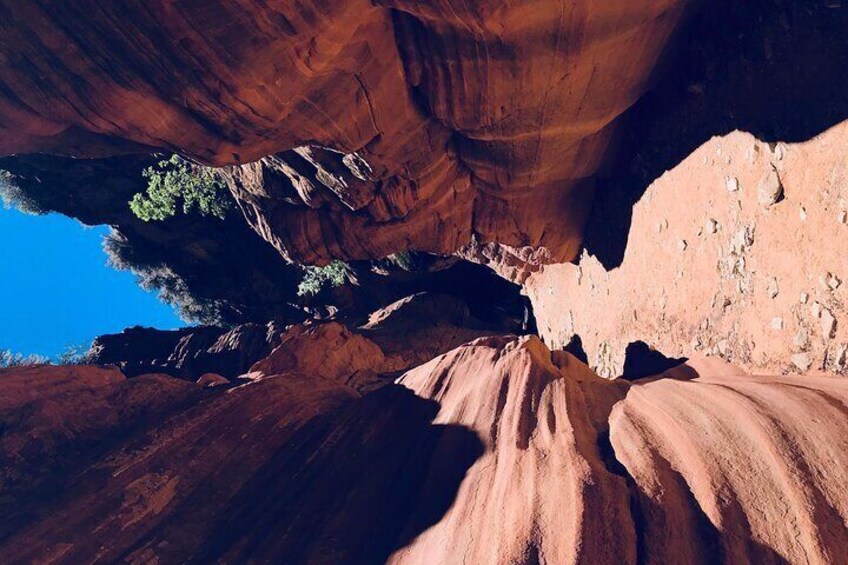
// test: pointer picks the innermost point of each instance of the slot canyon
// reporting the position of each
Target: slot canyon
(465, 281)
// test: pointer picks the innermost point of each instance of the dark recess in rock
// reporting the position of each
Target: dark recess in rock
(220, 269)
(773, 68)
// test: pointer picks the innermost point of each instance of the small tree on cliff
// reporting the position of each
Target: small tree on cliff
(316, 278)
(177, 180)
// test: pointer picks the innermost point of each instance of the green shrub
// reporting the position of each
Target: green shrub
(13, 197)
(177, 180)
(10, 359)
(154, 274)
(73, 355)
(403, 260)
(316, 278)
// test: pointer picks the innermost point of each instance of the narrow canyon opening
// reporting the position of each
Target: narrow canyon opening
(478, 282)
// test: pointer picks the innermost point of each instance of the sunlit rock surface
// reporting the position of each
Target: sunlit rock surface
(510, 135)
(499, 451)
(710, 267)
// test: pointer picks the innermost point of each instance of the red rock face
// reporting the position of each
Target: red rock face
(357, 129)
(716, 266)
(498, 451)
(485, 119)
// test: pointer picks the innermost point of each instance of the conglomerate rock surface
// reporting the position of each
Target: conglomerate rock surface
(737, 252)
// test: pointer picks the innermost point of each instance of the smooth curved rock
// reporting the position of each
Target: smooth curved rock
(736, 468)
(542, 491)
(210, 380)
(496, 452)
(400, 336)
(402, 125)
(50, 415)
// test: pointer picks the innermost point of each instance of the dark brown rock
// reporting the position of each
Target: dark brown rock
(402, 125)
(187, 353)
(298, 467)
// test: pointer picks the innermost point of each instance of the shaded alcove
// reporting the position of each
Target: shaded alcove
(773, 68)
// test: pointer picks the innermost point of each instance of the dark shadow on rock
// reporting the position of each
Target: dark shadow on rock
(642, 360)
(773, 68)
(219, 271)
(491, 299)
(677, 512)
(705, 542)
(352, 488)
(575, 347)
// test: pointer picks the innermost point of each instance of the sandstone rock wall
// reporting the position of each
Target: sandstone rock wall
(498, 451)
(486, 120)
(718, 262)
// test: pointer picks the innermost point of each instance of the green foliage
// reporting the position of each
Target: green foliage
(177, 180)
(403, 260)
(13, 197)
(155, 275)
(10, 359)
(73, 355)
(316, 278)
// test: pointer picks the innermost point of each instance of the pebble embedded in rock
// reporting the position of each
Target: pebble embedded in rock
(816, 309)
(802, 361)
(833, 282)
(744, 237)
(801, 339)
(732, 184)
(770, 190)
(711, 225)
(804, 297)
(802, 213)
(840, 357)
(752, 153)
(682, 245)
(828, 324)
(773, 289)
(777, 323)
(842, 217)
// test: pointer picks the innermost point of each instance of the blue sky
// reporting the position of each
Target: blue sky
(57, 290)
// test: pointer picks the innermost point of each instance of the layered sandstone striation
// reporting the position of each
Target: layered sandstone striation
(498, 451)
(371, 128)
(404, 422)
